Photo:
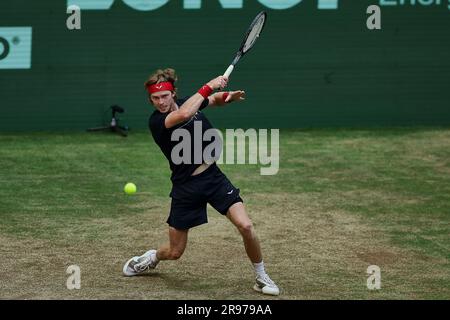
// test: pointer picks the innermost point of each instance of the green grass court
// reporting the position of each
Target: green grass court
(342, 200)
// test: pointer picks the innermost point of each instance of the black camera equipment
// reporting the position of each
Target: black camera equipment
(114, 124)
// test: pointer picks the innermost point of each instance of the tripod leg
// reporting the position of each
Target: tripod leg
(120, 131)
(98, 129)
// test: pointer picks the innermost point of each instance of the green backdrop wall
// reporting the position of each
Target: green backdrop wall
(311, 67)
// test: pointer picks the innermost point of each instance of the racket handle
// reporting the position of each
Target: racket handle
(229, 71)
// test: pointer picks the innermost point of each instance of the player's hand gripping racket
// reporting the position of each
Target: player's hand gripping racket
(250, 37)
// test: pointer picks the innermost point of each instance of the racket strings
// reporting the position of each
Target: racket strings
(254, 34)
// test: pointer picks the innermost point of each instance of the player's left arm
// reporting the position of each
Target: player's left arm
(222, 98)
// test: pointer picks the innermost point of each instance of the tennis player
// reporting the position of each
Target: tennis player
(195, 185)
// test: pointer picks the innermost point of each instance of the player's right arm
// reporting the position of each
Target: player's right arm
(191, 106)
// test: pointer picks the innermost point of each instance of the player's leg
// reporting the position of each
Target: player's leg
(150, 259)
(239, 217)
(174, 249)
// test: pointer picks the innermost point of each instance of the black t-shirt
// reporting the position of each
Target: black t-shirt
(162, 137)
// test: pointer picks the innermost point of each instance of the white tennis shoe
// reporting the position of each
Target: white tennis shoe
(137, 265)
(265, 285)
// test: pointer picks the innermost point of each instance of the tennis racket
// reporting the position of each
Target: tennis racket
(250, 38)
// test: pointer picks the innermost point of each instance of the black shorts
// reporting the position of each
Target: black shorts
(189, 200)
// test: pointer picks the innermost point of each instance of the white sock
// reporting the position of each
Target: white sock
(259, 268)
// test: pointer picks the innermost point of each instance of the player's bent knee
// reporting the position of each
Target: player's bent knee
(246, 229)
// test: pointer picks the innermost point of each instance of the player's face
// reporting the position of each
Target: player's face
(163, 100)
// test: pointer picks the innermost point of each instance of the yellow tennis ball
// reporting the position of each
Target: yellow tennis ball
(130, 188)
